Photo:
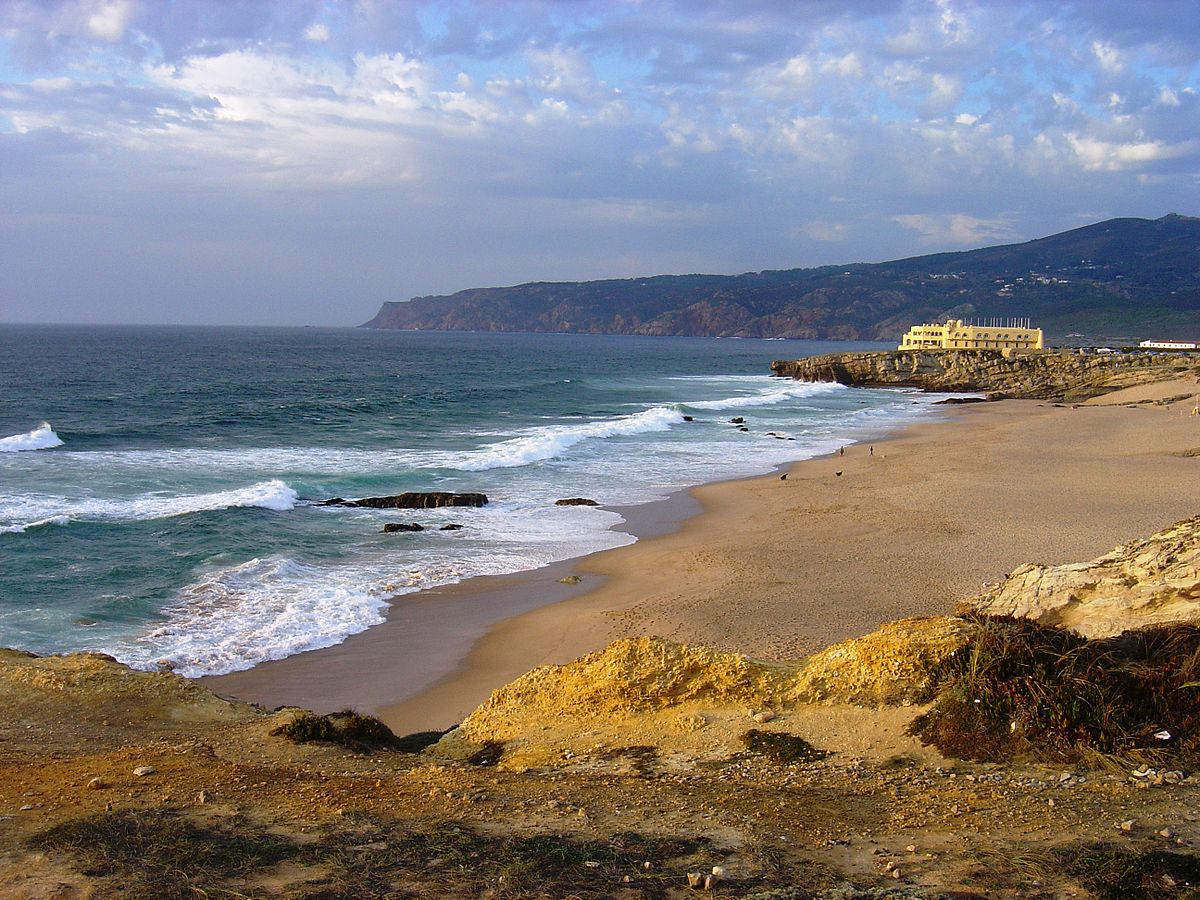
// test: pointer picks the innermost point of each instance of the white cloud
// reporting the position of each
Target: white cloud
(317, 32)
(1108, 56)
(1167, 97)
(108, 21)
(957, 229)
(1113, 156)
(847, 65)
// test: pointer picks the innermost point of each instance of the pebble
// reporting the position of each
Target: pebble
(1166, 833)
(97, 784)
(143, 771)
(695, 879)
(763, 717)
(26, 807)
(204, 797)
(1128, 825)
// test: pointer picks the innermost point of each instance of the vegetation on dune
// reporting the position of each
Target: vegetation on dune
(350, 729)
(1118, 873)
(156, 854)
(161, 856)
(781, 747)
(1021, 687)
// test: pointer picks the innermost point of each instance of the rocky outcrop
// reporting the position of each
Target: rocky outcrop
(414, 500)
(642, 676)
(576, 501)
(1066, 376)
(1146, 582)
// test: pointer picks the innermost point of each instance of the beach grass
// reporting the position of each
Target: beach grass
(161, 854)
(348, 728)
(1020, 687)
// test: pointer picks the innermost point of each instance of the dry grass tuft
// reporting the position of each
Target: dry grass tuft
(1019, 687)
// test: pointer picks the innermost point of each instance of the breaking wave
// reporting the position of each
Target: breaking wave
(260, 610)
(770, 396)
(41, 438)
(274, 495)
(17, 529)
(553, 440)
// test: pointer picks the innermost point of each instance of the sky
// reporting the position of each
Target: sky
(297, 162)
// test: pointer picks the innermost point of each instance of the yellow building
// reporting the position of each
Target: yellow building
(997, 334)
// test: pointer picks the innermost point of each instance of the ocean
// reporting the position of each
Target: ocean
(160, 487)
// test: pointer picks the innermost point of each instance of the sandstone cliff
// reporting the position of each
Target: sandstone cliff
(1146, 582)
(1067, 376)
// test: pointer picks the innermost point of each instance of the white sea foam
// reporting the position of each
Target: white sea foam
(263, 609)
(41, 438)
(551, 441)
(35, 509)
(17, 529)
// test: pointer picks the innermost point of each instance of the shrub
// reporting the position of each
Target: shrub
(350, 729)
(1019, 686)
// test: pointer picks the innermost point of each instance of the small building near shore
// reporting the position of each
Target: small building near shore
(954, 334)
(1170, 345)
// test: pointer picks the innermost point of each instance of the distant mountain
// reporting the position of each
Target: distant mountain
(1120, 279)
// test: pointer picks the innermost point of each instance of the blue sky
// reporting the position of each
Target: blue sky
(298, 162)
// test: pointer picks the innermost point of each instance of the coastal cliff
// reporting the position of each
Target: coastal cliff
(1110, 281)
(1066, 376)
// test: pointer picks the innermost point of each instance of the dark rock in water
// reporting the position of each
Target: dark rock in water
(451, 526)
(413, 500)
(737, 420)
(689, 418)
(743, 428)
(402, 526)
(576, 501)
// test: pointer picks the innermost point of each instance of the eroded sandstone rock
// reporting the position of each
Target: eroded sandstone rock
(1145, 582)
(1066, 376)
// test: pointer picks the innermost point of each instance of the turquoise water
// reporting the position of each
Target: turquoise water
(158, 485)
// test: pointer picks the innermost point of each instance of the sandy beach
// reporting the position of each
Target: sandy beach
(777, 568)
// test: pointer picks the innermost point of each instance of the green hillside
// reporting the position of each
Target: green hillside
(1122, 279)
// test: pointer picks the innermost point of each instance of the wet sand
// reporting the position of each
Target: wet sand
(778, 568)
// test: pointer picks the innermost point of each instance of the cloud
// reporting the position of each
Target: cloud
(422, 146)
(957, 229)
(1108, 57)
(317, 32)
(1112, 156)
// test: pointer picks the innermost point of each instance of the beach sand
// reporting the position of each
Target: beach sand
(777, 568)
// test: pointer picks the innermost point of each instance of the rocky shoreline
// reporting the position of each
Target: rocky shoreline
(1064, 376)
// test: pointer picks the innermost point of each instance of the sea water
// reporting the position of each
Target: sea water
(160, 488)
